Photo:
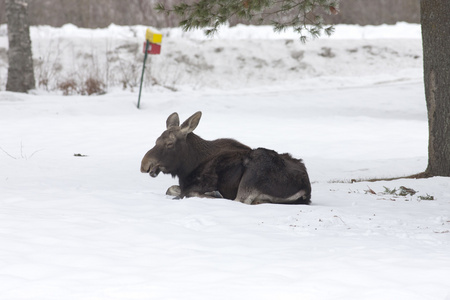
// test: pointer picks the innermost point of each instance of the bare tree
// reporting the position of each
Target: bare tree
(20, 58)
(435, 19)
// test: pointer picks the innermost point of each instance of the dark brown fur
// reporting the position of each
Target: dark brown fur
(225, 168)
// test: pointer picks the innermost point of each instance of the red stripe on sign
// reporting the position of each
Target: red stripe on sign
(152, 48)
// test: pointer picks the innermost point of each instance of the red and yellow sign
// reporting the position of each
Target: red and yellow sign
(154, 39)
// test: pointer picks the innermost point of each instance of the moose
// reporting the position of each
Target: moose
(225, 168)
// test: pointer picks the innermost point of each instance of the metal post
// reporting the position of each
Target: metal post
(147, 44)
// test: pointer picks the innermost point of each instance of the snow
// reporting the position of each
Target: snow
(94, 227)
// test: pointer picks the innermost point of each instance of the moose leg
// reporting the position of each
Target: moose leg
(246, 194)
(212, 195)
(252, 196)
(215, 194)
(273, 178)
(175, 191)
(250, 192)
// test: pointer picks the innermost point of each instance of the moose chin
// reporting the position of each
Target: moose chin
(225, 168)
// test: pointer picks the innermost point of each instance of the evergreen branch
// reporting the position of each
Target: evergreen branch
(211, 14)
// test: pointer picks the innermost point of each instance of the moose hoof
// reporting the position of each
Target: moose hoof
(174, 190)
(215, 194)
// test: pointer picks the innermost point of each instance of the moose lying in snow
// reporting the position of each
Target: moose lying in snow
(225, 168)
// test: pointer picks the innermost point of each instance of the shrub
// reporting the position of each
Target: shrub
(88, 87)
(93, 86)
(68, 87)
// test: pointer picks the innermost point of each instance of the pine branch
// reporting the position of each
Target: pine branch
(301, 15)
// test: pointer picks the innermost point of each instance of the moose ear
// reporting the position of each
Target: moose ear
(190, 124)
(173, 120)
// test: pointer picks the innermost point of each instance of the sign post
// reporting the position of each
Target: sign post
(152, 45)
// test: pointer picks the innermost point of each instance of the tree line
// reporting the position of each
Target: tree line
(101, 13)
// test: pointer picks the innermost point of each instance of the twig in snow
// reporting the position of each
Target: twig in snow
(7, 153)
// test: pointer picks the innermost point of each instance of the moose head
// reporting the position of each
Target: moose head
(171, 153)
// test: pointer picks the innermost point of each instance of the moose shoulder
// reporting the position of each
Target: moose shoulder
(225, 168)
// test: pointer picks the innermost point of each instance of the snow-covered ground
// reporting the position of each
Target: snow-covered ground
(93, 227)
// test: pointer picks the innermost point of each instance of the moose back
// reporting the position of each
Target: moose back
(225, 168)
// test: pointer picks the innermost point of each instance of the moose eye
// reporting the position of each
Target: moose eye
(169, 145)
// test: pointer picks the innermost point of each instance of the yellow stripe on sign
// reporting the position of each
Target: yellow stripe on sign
(153, 37)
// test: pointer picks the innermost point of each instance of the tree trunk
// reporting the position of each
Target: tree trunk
(20, 70)
(435, 18)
